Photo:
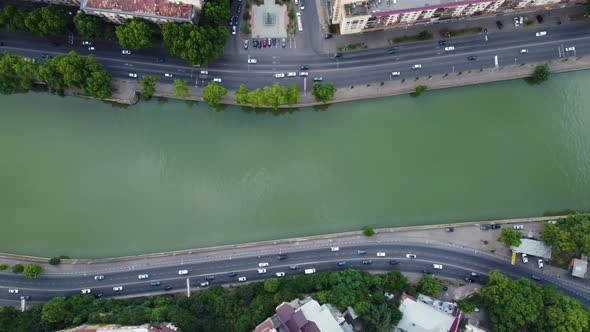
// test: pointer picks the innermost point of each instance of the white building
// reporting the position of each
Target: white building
(427, 315)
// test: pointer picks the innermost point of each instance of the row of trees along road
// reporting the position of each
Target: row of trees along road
(18, 74)
(271, 96)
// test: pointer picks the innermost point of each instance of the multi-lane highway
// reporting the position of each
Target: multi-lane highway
(457, 263)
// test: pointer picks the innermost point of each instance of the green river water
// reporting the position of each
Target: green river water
(85, 179)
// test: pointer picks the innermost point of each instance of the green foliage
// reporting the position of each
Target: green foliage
(395, 282)
(379, 319)
(47, 21)
(292, 94)
(419, 90)
(92, 27)
(13, 18)
(271, 285)
(561, 313)
(216, 12)
(16, 74)
(136, 33)
(32, 271)
(18, 268)
(3, 267)
(510, 237)
(180, 89)
(428, 285)
(272, 96)
(54, 311)
(213, 93)
(148, 86)
(323, 93)
(570, 235)
(241, 95)
(55, 261)
(196, 45)
(368, 231)
(541, 74)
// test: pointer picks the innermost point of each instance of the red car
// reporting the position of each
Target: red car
(263, 42)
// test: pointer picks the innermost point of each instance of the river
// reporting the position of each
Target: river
(86, 179)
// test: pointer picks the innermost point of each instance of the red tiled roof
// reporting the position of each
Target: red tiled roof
(150, 7)
(299, 318)
(267, 325)
(284, 311)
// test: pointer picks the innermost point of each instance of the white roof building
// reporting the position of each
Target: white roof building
(580, 268)
(419, 316)
(533, 248)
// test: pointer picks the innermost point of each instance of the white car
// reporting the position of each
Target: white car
(128, 52)
(168, 75)
(262, 264)
(86, 291)
(280, 274)
(541, 33)
(205, 284)
(437, 266)
(252, 61)
(91, 48)
(516, 22)
(242, 279)
(85, 42)
(233, 30)
(570, 49)
(540, 261)
(410, 256)
(134, 75)
(279, 75)
(517, 227)
(380, 254)
(261, 271)
(204, 72)
(98, 277)
(142, 276)
(450, 48)
(13, 291)
(395, 73)
(217, 80)
(117, 288)
(335, 248)
(291, 74)
(524, 50)
(525, 258)
(417, 66)
(182, 272)
(303, 73)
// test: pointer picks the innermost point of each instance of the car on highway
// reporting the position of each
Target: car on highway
(539, 18)
(204, 284)
(327, 35)
(516, 22)
(279, 75)
(367, 262)
(86, 42)
(303, 67)
(416, 66)
(155, 283)
(442, 42)
(281, 257)
(233, 30)
(450, 48)
(437, 266)
(318, 79)
(392, 262)
(471, 58)
(263, 264)
(210, 278)
(392, 51)
(217, 80)
(142, 276)
(242, 279)
(291, 74)
(294, 267)
(117, 288)
(570, 49)
(283, 43)
(380, 254)
(541, 33)
(252, 61)
(182, 272)
(303, 73)
(204, 72)
(86, 291)
(495, 226)
(411, 256)
(161, 59)
(168, 288)
(337, 55)
(540, 263)
(126, 52)
(342, 263)
(525, 258)
(395, 73)
(13, 291)
(168, 75)
(98, 277)
(361, 251)
(134, 75)
(260, 271)
(334, 248)
(500, 25)
(309, 271)
(280, 274)
(91, 48)
(517, 227)
(232, 274)
(246, 44)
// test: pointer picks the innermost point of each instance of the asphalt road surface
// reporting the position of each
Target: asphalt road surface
(457, 264)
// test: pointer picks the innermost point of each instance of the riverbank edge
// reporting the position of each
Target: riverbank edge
(247, 245)
(127, 91)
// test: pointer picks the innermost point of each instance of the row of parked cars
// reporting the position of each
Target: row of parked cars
(266, 42)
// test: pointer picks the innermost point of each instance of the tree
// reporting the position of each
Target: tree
(196, 45)
(292, 94)
(216, 12)
(180, 89)
(274, 96)
(32, 271)
(241, 95)
(47, 21)
(54, 311)
(3, 267)
(136, 33)
(541, 74)
(368, 231)
(395, 282)
(18, 268)
(561, 313)
(570, 235)
(92, 27)
(271, 285)
(323, 93)
(378, 319)
(213, 93)
(428, 285)
(98, 84)
(148, 85)
(256, 98)
(510, 237)
(16, 74)
(13, 18)
(55, 261)
(419, 90)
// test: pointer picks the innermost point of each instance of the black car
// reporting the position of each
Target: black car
(393, 262)
(445, 288)
(361, 251)
(368, 262)
(484, 227)
(496, 226)
(337, 55)
(304, 67)
(449, 229)
(232, 274)
(1, 43)
(210, 278)
(327, 35)
(426, 272)
(469, 280)
(161, 59)
(442, 42)
(293, 267)
(475, 274)
(168, 288)
(500, 25)
(391, 51)
(239, 9)
(535, 277)
(539, 18)
(281, 257)
(274, 42)
(471, 58)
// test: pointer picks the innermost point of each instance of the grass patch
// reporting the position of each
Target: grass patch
(351, 47)
(449, 282)
(424, 35)
(460, 32)
(529, 23)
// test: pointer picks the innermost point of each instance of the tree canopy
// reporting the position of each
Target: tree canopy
(136, 33)
(570, 235)
(195, 45)
(272, 96)
(216, 12)
(47, 21)
(510, 237)
(213, 93)
(148, 86)
(32, 270)
(180, 89)
(16, 74)
(323, 93)
(92, 27)
(428, 285)
(541, 74)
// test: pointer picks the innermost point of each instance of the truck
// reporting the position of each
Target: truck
(309, 271)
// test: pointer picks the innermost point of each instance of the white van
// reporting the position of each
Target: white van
(309, 271)
(437, 266)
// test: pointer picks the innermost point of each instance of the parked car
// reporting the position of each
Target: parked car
(437, 266)
(449, 229)
(517, 227)
(86, 42)
(327, 35)
(303, 73)
(91, 48)
(284, 43)
(246, 44)
(86, 291)
(210, 278)
(280, 274)
(484, 227)
(516, 22)
(525, 258)
(535, 277)
(279, 75)
(117, 288)
(335, 248)
(539, 18)
(499, 24)
(134, 75)
(291, 74)
(233, 30)
(540, 263)
(168, 75)
(318, 79)
(127, 52)
(204, 284)
(524, 50)
(242, 279)
(217, 80)
(567, 49)
(411, 256)
(495, 226)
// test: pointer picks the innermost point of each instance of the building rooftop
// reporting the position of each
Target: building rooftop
(533, 248)
(388, 7)
(580, 268)
(161, 8)
(422, 317)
